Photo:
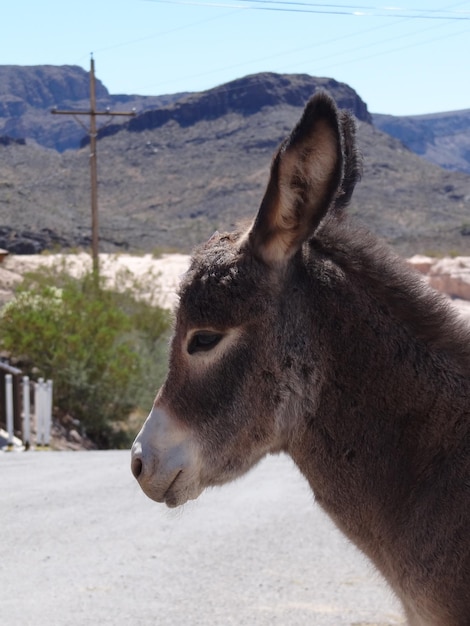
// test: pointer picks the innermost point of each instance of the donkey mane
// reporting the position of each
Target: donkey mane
(428, 314)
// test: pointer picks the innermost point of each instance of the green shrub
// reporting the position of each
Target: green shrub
(102, 348)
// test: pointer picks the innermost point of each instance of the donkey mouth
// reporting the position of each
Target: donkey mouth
(184, 487)
(173, 490)
(171, 497)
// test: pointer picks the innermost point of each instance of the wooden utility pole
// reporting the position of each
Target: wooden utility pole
(92, 133)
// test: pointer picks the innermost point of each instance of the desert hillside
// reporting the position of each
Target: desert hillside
(188, 165)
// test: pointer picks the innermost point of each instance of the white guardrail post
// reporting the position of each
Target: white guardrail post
(43, 405)
(9, 409)
(26, 413)
(47, 412)
(38, 412)
(43, 410)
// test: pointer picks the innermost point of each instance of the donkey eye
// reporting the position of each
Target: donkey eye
(203, 341)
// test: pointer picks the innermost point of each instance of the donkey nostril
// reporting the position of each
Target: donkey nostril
(136, 466)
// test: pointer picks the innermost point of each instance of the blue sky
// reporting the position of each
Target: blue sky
(405, 59)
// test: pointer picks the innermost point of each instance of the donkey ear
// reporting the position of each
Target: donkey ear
(305, 177)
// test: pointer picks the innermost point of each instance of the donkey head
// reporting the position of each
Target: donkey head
(240, 355)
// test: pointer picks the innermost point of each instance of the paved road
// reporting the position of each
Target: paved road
(81, 545)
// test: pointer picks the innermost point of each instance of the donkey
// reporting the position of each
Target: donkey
(305, 334)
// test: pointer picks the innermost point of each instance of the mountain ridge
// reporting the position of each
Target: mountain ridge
(247, 96)
(441, 138)
(177, 172)
(28, 93)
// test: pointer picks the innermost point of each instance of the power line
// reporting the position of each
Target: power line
(445, 16)
(165, 32)
(301, 7)
(414, 33)
(330, 41)
(358, 7)
(279, 54)
(444, 10)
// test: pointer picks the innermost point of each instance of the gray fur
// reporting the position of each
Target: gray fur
(346, 361)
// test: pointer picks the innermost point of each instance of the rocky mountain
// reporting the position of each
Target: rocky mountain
(28, 93)
(246, 96)
(441, 138)
(172, 175)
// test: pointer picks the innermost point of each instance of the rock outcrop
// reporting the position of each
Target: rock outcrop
(44, 86)
(5, 140)
(245, 96)
(448, 275)
(28, 93)
(441, 138)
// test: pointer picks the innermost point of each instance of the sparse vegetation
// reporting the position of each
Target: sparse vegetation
(103, 348)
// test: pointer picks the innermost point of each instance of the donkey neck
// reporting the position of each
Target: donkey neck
(375, 429)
